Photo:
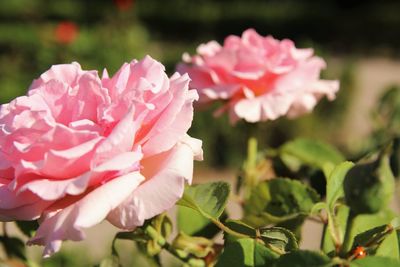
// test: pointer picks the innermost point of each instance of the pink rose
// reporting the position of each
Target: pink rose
(79, 149)
(259, 78)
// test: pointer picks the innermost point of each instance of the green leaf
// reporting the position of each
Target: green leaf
(361, 224)
(209, 199)
(304, 258)
(14, 247)
(381, 240)
(310, 152)
(334, 185)
(246, 252)
(334, 191)
(280, 238)
(294, 225)
(369, 187)
(28, 227)
(278, 200)
(275, 238)
(375, 262)
(191, 222)
(365, 222)
(398, 240)
(239, 227)
(316, 209)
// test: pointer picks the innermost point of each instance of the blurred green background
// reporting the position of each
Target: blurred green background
(359, 39)
(35, 34)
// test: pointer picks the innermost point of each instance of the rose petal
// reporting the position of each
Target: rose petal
(55, 189)
(165, 175)
(174, 121)
(248, 73)
(121, 139)
(88, 211)
(24, 206)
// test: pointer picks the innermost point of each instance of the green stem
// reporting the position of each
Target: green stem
(226, 229)
(324, 229)
(334, 230)
(240, 235)
(250, 167)
(113, 248)
(274, 249)
(251, 153)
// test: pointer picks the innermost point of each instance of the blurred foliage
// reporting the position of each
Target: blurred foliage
(106, 37)
(106, 33)
(337, 24)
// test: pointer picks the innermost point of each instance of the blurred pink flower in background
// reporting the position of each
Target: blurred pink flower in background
(258, 78)
(79, 149)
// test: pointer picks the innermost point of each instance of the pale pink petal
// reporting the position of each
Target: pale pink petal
(303, 104)
(152, 76)
(250, 72)
(121, 138)
(55, 189)
(66, 73)
(67, 224)
(324, 87)
(249, 109)
(26, 212)
(24, 206)
(209, 49)
(74, 161)
(200, 77)
(195, 144)
(165, 174)
(77, 146)
(275, 105)
(174, 121)
(9, 200)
